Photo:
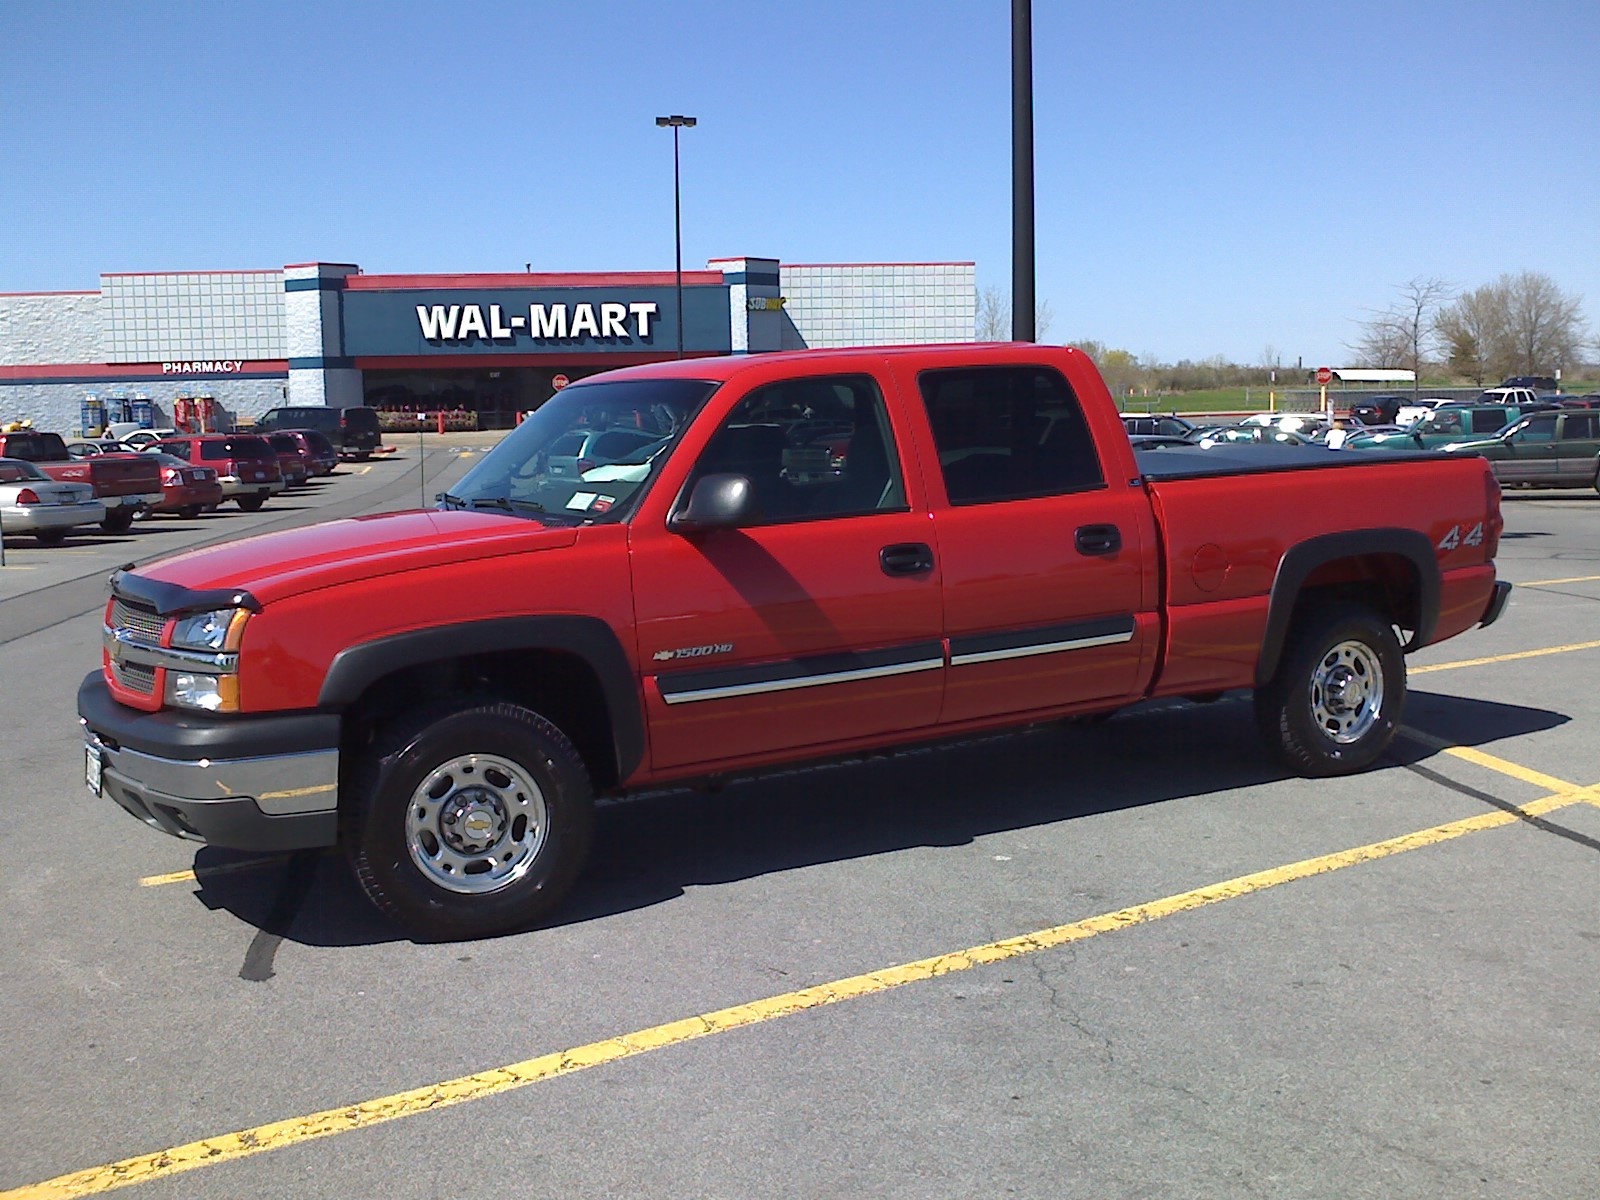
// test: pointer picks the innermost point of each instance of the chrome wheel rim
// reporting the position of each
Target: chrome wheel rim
(1347, 692)
(476, 823)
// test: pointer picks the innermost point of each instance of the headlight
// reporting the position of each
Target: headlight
(211, 693)
(217, 630)
(207, 677)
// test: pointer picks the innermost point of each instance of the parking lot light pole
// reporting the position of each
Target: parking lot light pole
(675, 123)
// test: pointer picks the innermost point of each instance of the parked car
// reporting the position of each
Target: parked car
(1523, 396)
(186, 488)
(1449, 423)
(246, 465)
(1304, 425)
(315, 450)
(1156, 424)
(1547, 449)
(1539, 383)
(92, 447)
(1264, 435)
(1417, 409)
(124, 482)
(353, 431)
(144, 438)
(31, 502)
(296, 470)
(1379, 410)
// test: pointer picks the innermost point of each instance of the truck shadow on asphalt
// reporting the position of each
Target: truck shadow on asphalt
(649, 849)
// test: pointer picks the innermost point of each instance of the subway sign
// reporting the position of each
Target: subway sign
(413, 322)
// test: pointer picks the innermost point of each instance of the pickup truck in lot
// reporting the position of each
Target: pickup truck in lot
(126, 483)
(810, 555)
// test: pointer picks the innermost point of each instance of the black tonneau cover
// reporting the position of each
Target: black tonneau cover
(1199, 462)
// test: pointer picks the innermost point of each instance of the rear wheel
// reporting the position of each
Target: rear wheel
(1335, 702)
(251, 503)
(50, 537)
(470, 821)
(118, 520)
(189, 512)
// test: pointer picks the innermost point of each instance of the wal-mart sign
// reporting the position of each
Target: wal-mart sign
(435, 321)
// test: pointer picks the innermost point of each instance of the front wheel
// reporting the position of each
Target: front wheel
(470, 821)
(1335, 702)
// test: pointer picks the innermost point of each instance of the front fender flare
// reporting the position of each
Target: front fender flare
(356, 668)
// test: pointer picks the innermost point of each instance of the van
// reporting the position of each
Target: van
(353, 431)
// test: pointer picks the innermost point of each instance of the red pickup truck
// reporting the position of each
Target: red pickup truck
(126, 482)
(790, 557)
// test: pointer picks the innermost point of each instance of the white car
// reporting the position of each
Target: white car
(1409, 414)
(143, 439)
(32, 502)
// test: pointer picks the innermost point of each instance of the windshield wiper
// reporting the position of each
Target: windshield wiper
(505, 504)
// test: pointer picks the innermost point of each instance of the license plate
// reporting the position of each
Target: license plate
(91, 768)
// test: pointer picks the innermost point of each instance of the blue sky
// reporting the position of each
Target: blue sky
(1211, 178)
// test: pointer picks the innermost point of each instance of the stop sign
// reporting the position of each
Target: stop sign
(1324, 374)
(560, 381)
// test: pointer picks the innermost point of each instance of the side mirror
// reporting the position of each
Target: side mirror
(717, 502)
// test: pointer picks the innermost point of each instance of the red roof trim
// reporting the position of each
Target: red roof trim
(526, 279)
(463, 362)
(882, 264)
(239, 271)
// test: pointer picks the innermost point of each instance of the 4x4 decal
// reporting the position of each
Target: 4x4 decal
(1455, 538)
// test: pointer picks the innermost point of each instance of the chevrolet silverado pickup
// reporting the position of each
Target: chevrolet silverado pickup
(126, 483)
(790, 557)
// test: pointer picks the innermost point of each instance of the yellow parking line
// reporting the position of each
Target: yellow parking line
(208, 872)
(1481, 758)
(277, 1135)
(1554, 582)
(1499, 658)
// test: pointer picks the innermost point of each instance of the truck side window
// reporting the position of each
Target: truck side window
(1009, 433)
(1540, 429)
(1578, 427)
(814, 447)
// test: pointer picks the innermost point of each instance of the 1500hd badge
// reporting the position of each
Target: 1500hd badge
(694, 652)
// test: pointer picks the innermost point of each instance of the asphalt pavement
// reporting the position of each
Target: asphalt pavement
(1130, 959)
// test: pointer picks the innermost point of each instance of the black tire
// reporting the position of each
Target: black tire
(499, 773)
(118, 520)
(251, 503)
(189, 512)
(50, 537)
(1335, 702)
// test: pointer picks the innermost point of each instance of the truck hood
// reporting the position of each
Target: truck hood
(272, 566)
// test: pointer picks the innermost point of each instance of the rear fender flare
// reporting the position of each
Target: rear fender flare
(1302, 560)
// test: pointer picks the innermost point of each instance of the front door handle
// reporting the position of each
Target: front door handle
(906, 558)
(1098, 539)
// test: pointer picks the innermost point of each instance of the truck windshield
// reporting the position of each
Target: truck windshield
(587, 454)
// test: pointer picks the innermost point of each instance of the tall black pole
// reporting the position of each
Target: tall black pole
(1022, 303)
(677, 233)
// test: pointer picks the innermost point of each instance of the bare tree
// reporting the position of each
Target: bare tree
(1544, 325)
(1474, 330)
(1404, 334)
(994, 317)
(1518, 325)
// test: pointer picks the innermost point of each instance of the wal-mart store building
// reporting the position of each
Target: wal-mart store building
(488, 345)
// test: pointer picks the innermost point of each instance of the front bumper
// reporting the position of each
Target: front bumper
(248, 783)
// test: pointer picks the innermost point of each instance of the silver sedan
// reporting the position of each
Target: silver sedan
(32, 502)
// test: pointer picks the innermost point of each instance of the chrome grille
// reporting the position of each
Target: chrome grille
(137, 618)
(136, 677)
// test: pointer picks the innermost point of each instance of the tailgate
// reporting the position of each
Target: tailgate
(124, 475)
